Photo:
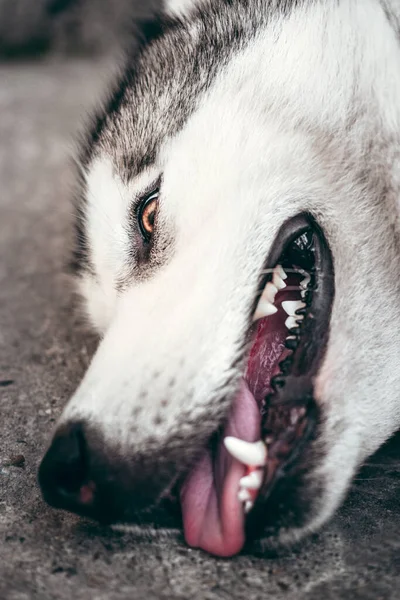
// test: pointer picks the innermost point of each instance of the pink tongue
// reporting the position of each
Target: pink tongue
(213, 517)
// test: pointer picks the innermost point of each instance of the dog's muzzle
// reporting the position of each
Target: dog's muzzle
(243, 477)
(81, 473)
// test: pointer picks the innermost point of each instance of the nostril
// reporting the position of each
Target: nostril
(64, 469)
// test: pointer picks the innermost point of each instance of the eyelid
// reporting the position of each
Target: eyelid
(147, 191)
(151, 197)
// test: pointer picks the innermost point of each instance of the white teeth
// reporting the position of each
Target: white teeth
(304, 282)
(253, 481)
(270, 292)
(279, 269)
(277, 278)
(264, 309)
(248, 506)
(292, 322)
(291, 306)
(244, 495)
(278, 282)
(251, 454)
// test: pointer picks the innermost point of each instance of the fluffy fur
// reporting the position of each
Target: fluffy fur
(250, 112)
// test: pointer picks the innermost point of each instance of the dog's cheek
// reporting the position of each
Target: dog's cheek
(98, 302)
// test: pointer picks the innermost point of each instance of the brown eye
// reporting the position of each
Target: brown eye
(147, 216)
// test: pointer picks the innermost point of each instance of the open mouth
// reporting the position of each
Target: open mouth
(274, 414)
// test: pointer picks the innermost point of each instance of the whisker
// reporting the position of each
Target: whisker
(288, 288)
(290, 270)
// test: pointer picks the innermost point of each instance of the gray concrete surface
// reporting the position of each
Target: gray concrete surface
(43, 353)
(70, 26)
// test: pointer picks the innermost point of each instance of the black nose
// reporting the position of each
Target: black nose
(85, 474)
(63, 474)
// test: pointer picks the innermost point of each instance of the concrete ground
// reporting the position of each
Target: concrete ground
(43, 353)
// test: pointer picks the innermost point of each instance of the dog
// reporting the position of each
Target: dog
(238, 251)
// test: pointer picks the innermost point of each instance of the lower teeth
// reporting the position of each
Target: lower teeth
(254, 456)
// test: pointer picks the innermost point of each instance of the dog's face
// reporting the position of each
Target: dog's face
(238, 253)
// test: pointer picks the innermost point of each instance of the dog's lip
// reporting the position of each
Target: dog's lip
(213, 496)
(291, 414)
(287, 419)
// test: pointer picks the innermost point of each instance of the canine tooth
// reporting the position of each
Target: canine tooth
(248, 506)
(281, 272)
(270, 292)
(304, 282)
(277, 280)
(291, 322)
(252, 481)
(290, 307)
(244, 495)
(251, 454)
(264, 309)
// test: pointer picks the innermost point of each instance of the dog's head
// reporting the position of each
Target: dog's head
(237, 253)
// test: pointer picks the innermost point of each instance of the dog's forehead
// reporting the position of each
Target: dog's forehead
(169, 80)
(169, 77)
